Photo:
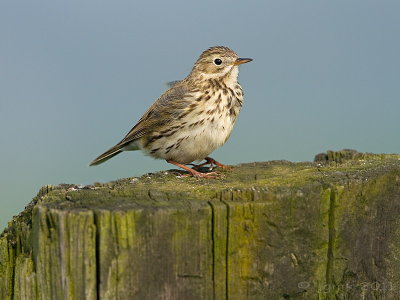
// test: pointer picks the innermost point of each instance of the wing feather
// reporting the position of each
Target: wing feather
(165, 110)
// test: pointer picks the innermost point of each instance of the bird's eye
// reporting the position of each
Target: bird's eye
(217, 61)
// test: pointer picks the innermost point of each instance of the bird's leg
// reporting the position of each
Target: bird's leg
(193, 172)
(196, 167)
(211, 162)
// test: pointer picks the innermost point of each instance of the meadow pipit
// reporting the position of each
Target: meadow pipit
(193, 117)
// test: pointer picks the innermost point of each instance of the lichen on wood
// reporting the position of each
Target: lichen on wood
(327, 229)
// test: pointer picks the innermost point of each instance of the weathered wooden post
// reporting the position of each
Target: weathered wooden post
(273, 230)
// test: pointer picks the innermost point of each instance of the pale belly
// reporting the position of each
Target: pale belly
(193, 143)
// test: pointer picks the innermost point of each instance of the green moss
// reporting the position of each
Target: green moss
(24, 279)
(277, 228)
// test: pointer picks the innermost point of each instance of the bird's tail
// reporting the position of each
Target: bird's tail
(117, 149)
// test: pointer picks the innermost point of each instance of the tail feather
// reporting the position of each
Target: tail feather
(106, 155)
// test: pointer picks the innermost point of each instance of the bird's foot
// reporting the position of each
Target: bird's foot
(218, 164)
(212, 162)
(193, 172)
(212, 175)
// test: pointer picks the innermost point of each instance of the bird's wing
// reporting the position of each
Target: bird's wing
(165, 110)
(170, 84)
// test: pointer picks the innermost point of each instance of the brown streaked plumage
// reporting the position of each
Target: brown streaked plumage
(193, 117)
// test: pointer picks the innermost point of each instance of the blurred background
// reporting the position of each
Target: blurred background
(75, 76)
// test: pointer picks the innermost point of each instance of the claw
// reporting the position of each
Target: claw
(212, 175)
(212, 162)
(193, 172)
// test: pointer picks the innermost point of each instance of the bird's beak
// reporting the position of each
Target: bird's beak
(240, 61)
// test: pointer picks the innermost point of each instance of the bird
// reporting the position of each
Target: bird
(192, 118)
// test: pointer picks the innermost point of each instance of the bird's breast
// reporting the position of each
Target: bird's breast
(202, 127)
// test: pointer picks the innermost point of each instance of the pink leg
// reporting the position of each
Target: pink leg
(192, 172)
(211, 161)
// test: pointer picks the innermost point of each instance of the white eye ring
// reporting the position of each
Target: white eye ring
(217, 61)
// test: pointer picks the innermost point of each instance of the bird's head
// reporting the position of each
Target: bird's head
(218, 62)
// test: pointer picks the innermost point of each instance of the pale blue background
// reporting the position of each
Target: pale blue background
(76, 75)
